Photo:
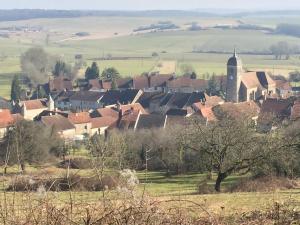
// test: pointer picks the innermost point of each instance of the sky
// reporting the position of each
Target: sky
(151, 4)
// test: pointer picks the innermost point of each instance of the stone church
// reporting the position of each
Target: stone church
(245, 86)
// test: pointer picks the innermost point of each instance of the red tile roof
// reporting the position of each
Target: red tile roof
(96, 84)
(283, 85)
(60, 122)
(35, 104)
(242, 110)
(159, 80)
(182, 82)
(279, 107)
(105, 121)
(133, 107)
(205, 111)
(79, 118)
(6, 119)
(213, 100)
(140, 82)
(103, 112)
(60, 84)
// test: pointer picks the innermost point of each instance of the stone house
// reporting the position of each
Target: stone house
(61, 124)
(32, 108)
(6, 120)
(82, 122)
(246, 86)
(85, 100)
(101, 124)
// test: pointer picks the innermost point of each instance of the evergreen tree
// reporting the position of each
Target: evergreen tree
(110, 74)
(61, 69)
(114, 85)
(212, 88)
(15, 89)
(92, 72)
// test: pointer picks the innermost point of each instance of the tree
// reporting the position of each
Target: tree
(187, 69)
(110, 74)
(28, 142)
(15, 93)
(212, 88)
(92, 72)
(230, 146)
(36, 64)
(61, 69)
(114, 85)
(281, 49)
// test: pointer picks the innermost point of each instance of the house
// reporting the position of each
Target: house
(124, 83)
(32, 108)
(99, 85)
(101, 124)
(81, 122)
(61, 124)
(180, 101)
(141, 82)
(278, 108)
(158, 82)
(104, 112)
(213, 100)
(147, 97)
(283, 88)
(62, 100)
(124, 97)
(85, 100)
(59, 84)
(242, 110)
(246, 86)
(205, 111)
(4, 103)
(128, 120)
(130, 107)
(6, 120)
(146, 121)
(186, 85)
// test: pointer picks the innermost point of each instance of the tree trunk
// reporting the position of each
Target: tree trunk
(220, 178)
(23, 167)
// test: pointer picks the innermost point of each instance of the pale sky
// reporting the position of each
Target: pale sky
(151, 4)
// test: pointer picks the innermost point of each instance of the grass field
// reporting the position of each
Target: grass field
(157, 186)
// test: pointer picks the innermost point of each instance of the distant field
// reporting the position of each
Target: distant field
(114, 37)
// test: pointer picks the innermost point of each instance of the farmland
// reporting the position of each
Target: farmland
(115, 37)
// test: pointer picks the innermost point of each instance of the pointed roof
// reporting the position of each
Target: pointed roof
(234, 60)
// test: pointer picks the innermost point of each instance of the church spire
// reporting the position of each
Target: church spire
(234, 52)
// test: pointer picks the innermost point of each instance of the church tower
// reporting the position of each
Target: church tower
(234, 72)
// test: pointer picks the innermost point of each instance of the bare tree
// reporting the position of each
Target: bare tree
(230, 145)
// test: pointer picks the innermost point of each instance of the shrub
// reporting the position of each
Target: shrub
(204, 188)
(76, 163)
(263, 184)
(72, 182)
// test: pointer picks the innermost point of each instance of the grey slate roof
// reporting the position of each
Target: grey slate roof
(123, 97)
(87, 96)
(151, 121)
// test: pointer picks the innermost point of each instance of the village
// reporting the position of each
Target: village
(155, 101)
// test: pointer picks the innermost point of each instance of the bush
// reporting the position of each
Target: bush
(204, 188)
(76, 163)
(73, 182)
(263, 184)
